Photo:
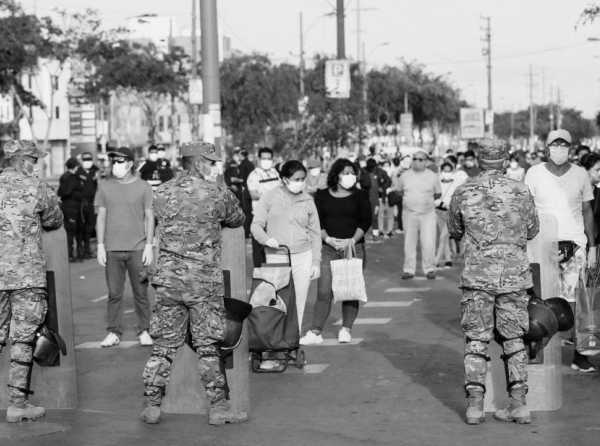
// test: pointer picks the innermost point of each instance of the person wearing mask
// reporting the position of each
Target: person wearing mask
(70, 191)
(233, 176)
(591, 163)
(470, 164)
(287, 216)
(261, 180)
(420, 187)
(380, 183)
(156, 170)
(345, 216)
(88, 174)
(396, 172)
(246, 167)
(315, 179)
(125, 232)
(563, 191)
(514, 171)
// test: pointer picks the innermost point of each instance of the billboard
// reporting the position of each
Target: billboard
(337, 78)
(472, 123)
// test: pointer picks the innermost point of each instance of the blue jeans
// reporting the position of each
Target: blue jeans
(117, 264)
(325, 294)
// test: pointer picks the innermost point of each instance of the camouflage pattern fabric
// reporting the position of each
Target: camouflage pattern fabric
(189, 282)
(26, 206)
(21, 314)
(481, 313)
(496, 216)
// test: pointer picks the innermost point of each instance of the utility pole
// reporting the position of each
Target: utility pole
(487, 51)
(195, 134)
(173, 109)
(558, 109)
(365, 86)
(301, 57)
(531, 109)
(341, 39)
(358, 30)
(211, 104)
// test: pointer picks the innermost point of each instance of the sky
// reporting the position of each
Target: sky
(444, 35)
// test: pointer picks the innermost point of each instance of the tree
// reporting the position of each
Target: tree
(589, 14)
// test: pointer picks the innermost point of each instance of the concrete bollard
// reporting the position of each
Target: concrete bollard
(185, 393)
(545, 378)
(54, 387)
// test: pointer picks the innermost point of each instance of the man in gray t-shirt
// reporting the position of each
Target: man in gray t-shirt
(125, 229)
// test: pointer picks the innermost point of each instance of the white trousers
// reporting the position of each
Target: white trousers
(419, 227)
(301, 266)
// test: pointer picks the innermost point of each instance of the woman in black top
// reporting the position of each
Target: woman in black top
(345, 216)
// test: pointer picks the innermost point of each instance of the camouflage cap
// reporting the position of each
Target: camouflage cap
(15, 148)
(204, 149)
(491, 149)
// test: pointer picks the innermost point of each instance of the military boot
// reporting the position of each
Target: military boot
(23, 412)
(475, 413)
(151, 415)
(516, 411)
(221, 413)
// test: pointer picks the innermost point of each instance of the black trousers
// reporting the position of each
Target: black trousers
(88, 223)
(73, 223)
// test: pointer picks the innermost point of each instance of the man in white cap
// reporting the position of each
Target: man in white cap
(563, 191)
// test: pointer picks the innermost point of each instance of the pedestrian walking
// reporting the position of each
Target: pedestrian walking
(261, 180)
(419, 187)
(496, 216)
(380, 183)
(563, 191)
(591, 163)
(287, 216)
(233, 175)
(125, 232)
(189, 280)
(88, 174)
(157, 169)
(315, 178)
(70, 191)
(27, 206)
(450, 179)
(345, 217)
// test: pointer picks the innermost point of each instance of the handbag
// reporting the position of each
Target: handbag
(347, 279)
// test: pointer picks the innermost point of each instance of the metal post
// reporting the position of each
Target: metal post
(341, 42)
(195, 134)
(531, 111)
(211, 107)
(301, 57)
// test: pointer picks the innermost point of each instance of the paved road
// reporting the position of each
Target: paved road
(400, 385)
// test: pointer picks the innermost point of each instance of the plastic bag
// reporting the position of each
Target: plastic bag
(347, 280)
(587, 312)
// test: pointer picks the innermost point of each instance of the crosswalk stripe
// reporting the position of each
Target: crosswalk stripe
(333, 342)
(309, 369)
(390, 303)
(368, 321)
(100, 299)
(93, 344)
(407, 290)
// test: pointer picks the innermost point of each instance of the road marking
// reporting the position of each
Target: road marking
(334, 342)
(129, 311)
(309, 369)
(368, 321)
(90, 345)
(100, 299)
(425, 278)
(407, 290)
(390, 303)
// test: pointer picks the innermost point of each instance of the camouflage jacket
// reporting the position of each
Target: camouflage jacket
(496, 216)
(190, 212)
(26, 206)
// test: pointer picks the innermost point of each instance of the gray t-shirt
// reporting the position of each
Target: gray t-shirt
(125, 206)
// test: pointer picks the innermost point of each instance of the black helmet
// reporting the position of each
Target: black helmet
(235, 313)
(48, 346)
(542, 321)
(563, 312)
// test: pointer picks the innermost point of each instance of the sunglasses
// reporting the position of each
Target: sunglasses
(119, 160)
(418, 159)
(560, 144)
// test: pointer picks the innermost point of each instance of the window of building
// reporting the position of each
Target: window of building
(57, 112)
(161, 123)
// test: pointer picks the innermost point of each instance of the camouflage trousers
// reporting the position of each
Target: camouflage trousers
(21, 314)
(482, 312)
(176, 310)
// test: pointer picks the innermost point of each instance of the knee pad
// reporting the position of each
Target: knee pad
(158, 367)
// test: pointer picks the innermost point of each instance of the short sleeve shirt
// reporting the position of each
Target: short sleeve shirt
(125, 205)
(418, 189)
(562, 197)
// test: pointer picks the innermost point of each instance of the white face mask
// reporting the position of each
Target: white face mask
(87, 164)
(295, 187)
(161, 153)
(469, 163)
(315, 172)
(153, 156)
(347, 181)
(120, 170)
(514, 165)
(266, 164)
(446, 176)
(559, 155)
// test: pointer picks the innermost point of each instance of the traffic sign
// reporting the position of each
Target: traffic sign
(337, 78)
(472, 123)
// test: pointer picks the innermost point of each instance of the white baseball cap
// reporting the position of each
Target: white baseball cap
(558, 134)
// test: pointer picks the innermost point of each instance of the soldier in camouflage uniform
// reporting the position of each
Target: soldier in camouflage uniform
(496, 216)
(188, 281)
(26, 207)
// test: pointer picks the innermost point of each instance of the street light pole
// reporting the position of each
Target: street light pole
(301, 57)
(195, 134)
(211, 104)
(341, 41)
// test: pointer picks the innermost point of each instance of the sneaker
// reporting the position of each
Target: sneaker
(399, 231)
(311, 338)
(583, 365)
(375, 232)
(344, 336)
(430, 275)
(448, 264)
(110, 340)
(145, 338)
(407, 276)
(269, 364)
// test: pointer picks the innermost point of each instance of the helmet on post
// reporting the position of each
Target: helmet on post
(563, 312)
(235, 313)
(542, 321)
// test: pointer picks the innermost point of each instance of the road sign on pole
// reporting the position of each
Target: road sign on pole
(472, 123)
(337, 78)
